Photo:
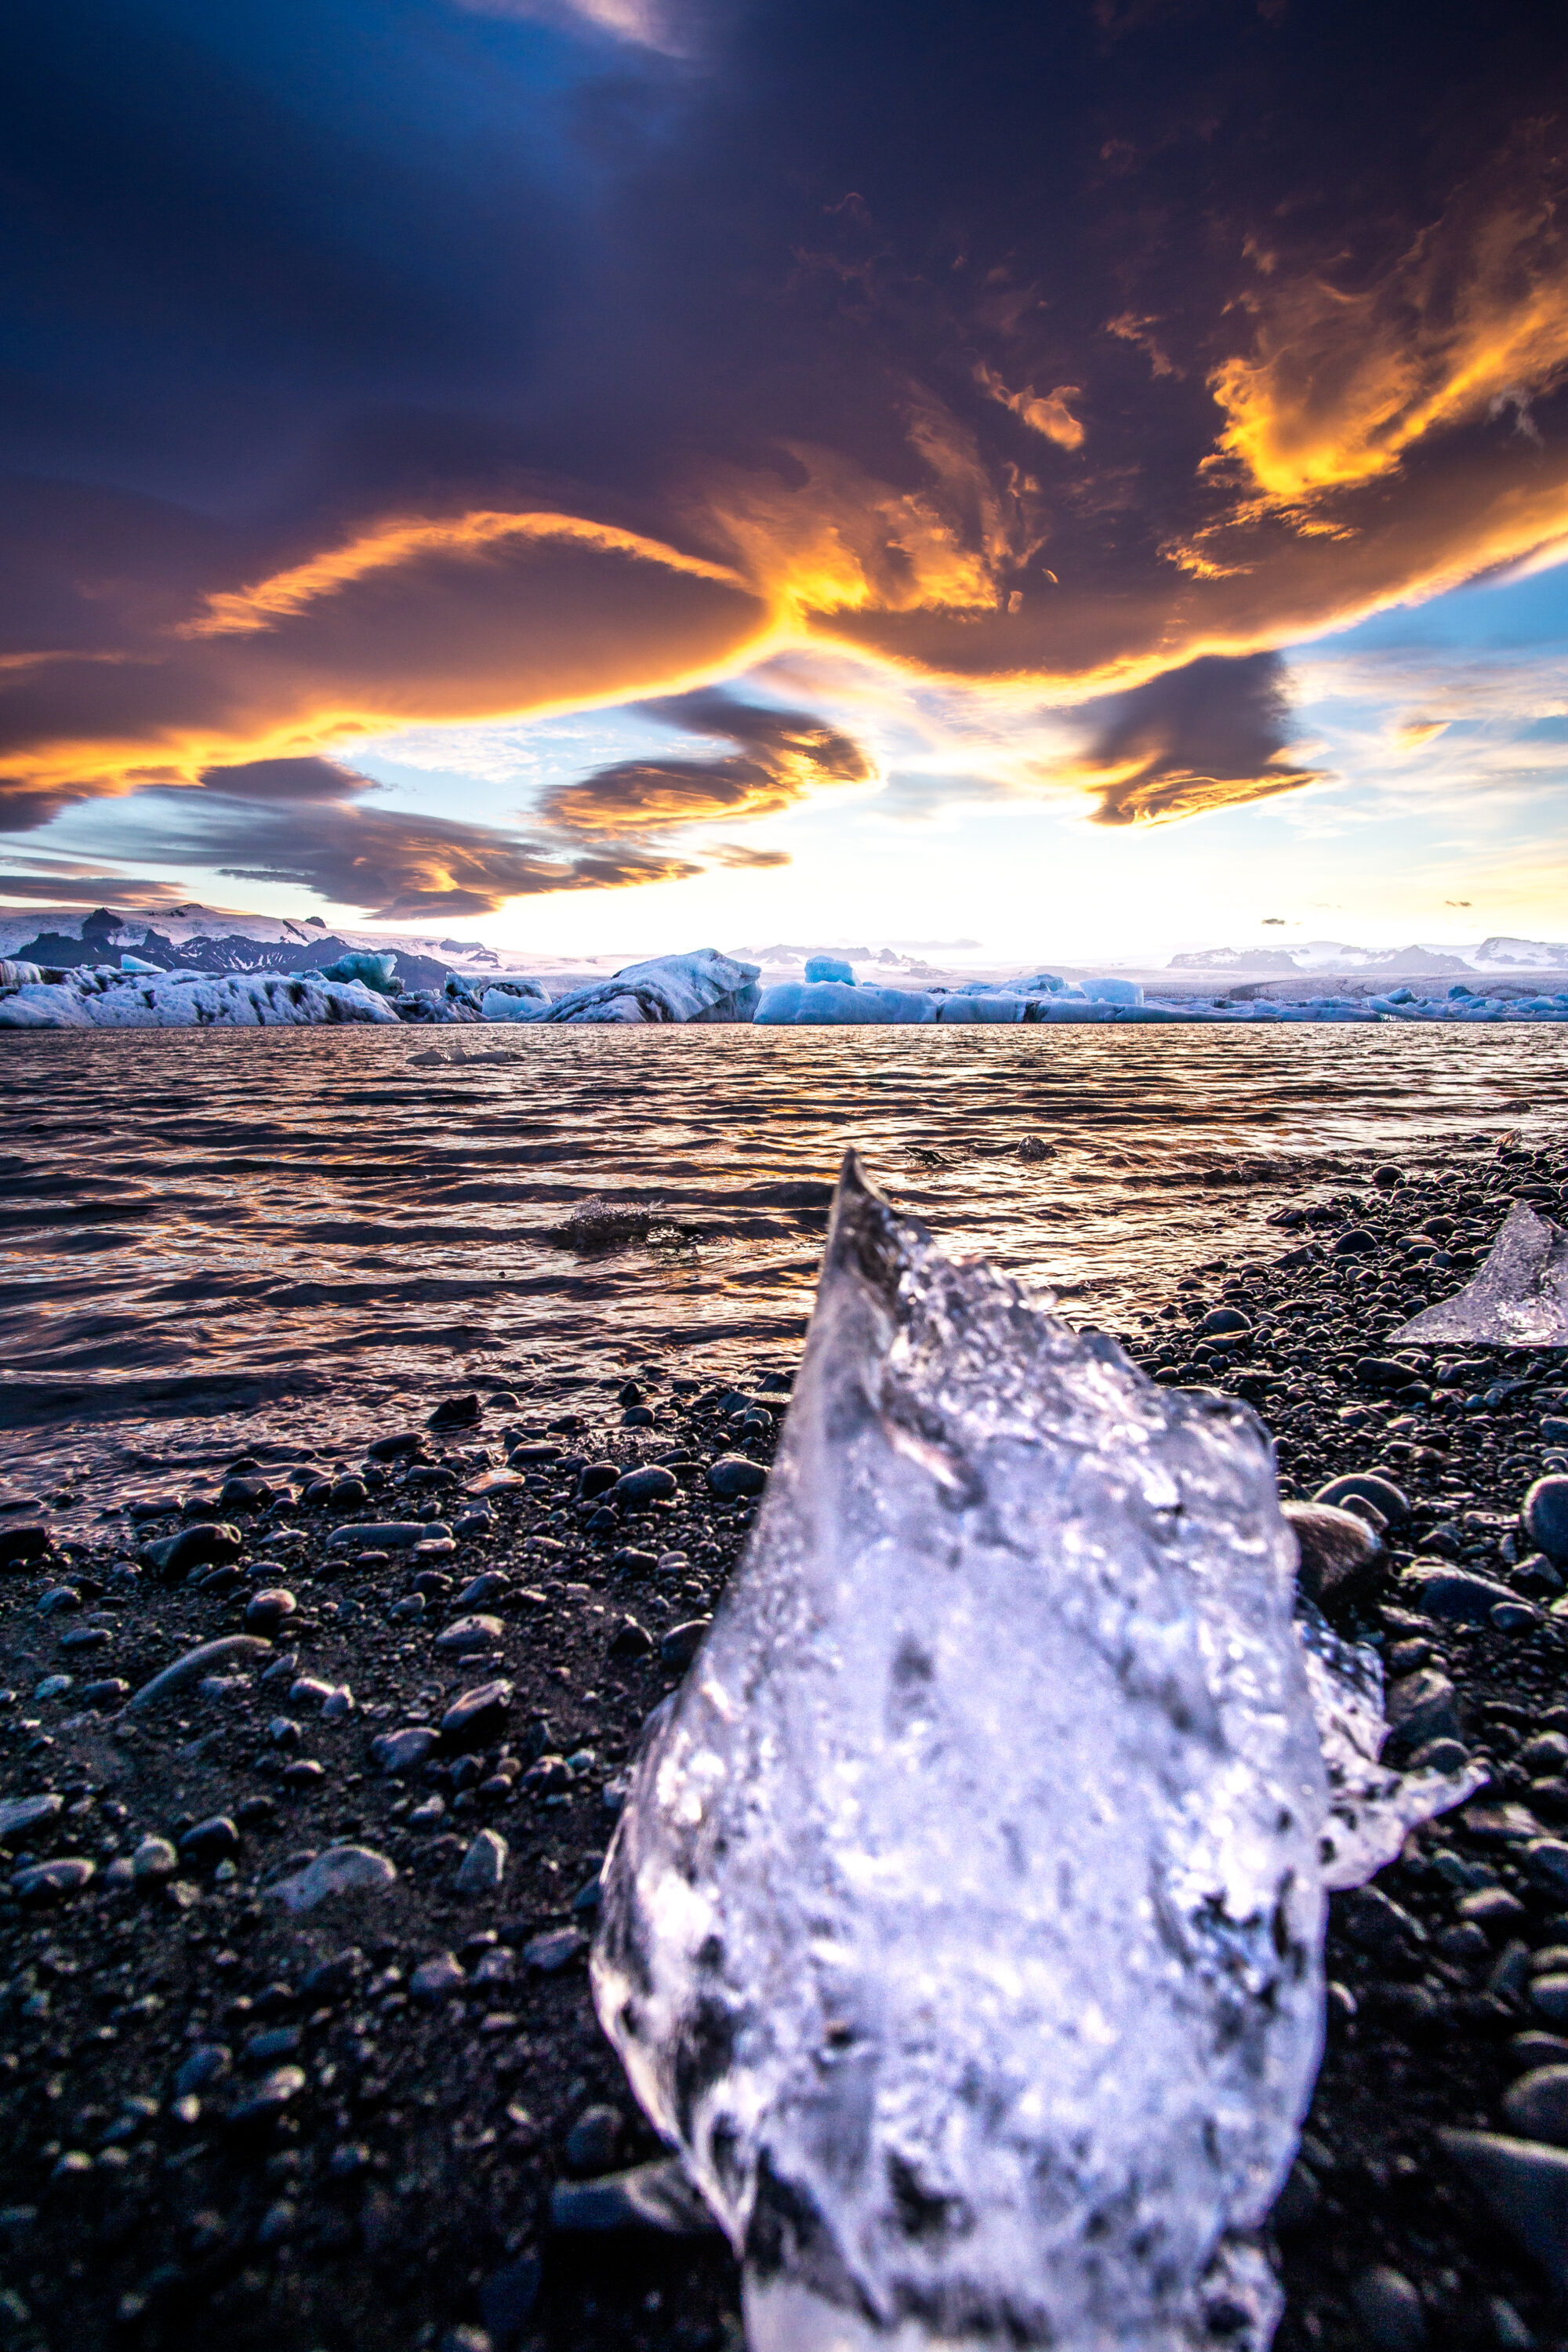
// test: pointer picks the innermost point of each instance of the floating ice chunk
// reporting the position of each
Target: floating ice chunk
(1112, 992)
(1039, 983)
(963, 1926)
(1372, 1809)
(139, 963)
(100, 997)
(514, 996)
(701, 986)
(830, 1003)
(829, 968)
(1519, 1299)
(378, 972)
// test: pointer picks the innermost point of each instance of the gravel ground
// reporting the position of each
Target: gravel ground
(346, 2124)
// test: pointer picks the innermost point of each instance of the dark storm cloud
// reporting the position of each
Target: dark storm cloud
(786, 753)
(394, 865)
(1199, 738)
(285, 780)
(366, 367)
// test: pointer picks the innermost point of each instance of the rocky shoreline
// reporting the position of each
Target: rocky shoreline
(364, 2117)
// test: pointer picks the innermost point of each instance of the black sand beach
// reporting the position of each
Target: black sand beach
(351, 2125)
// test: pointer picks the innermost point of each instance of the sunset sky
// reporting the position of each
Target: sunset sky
(1084, 478)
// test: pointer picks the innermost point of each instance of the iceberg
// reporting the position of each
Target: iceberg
(377, 972)
(825, 967)
(963, 1925)
(100, 997)
(1518, 1300)
(701, 986)
(514, 996)
(833, 1003)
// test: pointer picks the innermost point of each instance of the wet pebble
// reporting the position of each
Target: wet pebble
(483, 1867)
(267, 1610)
(1390, 2310)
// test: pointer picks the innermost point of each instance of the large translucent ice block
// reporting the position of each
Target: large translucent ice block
(963, 1926)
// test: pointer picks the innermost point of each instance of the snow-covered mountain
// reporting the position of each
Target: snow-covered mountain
(1406, 963)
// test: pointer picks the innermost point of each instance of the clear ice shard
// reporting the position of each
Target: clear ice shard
(1519, 1299)
(963, 1926)
(1371, 1808)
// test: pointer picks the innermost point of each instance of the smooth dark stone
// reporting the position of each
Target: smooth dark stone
(735, 1474)
(478, 1718)
(634, 1562)
(210, 1540)
(18, 1546)
(1451, 1595)
(1366, 1487)
(1545, 1517)
(656, 2196)
(1526, 2187)
(210, 1842)
(597, 1478)
(49, 1882)
(1356, 1242)
(1390, 2310)
(266, 1611)
(649, 1486)
(1536, 2106)
(630, 1640)
(594, 2138)
(455, 1412)
(391, 1449)
(1223, 1319)
(1337, 1549)
(1420, 1707)
(681, 1644)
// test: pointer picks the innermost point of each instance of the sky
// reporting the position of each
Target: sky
(1088, 477)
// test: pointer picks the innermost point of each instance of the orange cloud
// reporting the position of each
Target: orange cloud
(1343, 380)
(1045, 413)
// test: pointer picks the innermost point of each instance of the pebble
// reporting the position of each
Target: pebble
(1526, 2187)
(201, 2066)
(1335, 1546)
(1452, 1596)
(155, 1858)
(266, 1611)
(471, 1633)
(271, 2096)
(554, 1950)
(1536, 2106)
(649, 1486)
(386, 1535)
(1546, 1862)
(488, 1587)
(341, 1870)
(1421, 1706)
(1549, 1994)
(680, 1645)
(630, 1640)
(1390, 2310)
(1366, 1487)
(404, 1751)
(483, 1867)
(1545, 1517)
(50, 1881)
(210, 1842)
(438, 1979)
(18, 1546)
(210, 1541)
(735, 1474)
(233, 1649)
(593, 2139)
(20, 1815)
(478, 1718)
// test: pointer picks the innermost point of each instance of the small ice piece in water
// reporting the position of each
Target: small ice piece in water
(963, 1927)
(1371, 1808)
(1519, 1299)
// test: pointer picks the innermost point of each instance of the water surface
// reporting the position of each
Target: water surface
(212, 1238)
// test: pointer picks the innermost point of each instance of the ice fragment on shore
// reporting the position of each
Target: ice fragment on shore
(963, 1927)
(1371, 1808)
(1519, 1299)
